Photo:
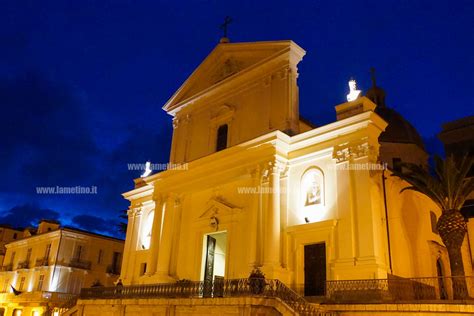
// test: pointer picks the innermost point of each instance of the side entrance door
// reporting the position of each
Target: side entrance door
(315, 270)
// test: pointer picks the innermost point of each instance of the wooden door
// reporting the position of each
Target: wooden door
(315, 270)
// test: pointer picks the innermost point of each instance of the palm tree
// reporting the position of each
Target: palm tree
(448, 185)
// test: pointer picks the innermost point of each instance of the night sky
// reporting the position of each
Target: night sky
(82, 83)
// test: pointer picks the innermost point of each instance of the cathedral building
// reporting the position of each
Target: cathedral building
(262, 188)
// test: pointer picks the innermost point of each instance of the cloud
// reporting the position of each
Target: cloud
(97, 224)
(27, 215)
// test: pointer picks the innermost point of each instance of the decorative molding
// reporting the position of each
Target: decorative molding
(181, 120)
(254, 171)
(267, 81)
(354, 150)
(134, 211)
(274, 167)
(223, 114)
(218, 206)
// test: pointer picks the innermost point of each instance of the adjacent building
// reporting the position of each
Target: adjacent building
(45, 268)
(7, 234)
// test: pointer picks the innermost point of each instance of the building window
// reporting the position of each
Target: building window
(28, 255)
(22, 283)
(39, 287)
(99, 256)
(142, 268)
(47, 251)
(15, 235)
(434, 221)
(12, 258)
(397, 164)
(221, 142)
(77, 254)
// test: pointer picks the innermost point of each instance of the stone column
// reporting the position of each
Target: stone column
(178, 202)
(254, 219)
(272, 220)
(155, 238)
(164, 253)
(284, 194)
(134, 217)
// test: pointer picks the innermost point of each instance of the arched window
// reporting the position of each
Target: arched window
(221, 142)
(312, 187)
(145, 238)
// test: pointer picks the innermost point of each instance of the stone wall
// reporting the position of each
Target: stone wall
(216, 306)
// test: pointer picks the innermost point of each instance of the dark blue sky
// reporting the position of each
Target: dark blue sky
(82, 83)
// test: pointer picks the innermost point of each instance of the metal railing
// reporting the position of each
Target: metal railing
(54, 298)
(42, 262)
(8, 267)
(397, 289)
(200, 289)
(81, 264)
(23, 264)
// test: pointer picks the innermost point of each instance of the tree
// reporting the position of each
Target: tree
(448, 185)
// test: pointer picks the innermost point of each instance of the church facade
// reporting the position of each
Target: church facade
(259, 187)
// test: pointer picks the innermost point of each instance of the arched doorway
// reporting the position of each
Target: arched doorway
(443, 294)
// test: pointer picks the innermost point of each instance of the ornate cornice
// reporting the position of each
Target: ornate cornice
(181, 120)
(354, 150)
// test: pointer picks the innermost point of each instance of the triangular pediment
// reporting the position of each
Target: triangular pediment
(226, 61)
(218, 206)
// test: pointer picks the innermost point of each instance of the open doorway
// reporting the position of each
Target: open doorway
(213, 261)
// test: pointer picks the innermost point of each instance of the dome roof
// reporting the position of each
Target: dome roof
(399, 130)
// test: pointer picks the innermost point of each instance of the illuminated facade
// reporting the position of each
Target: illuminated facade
(262, 188)
(50, 265)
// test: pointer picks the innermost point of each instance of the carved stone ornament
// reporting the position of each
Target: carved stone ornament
(214, 222)
(134, 211)
(273, 167)
(175, 123)
(353, 150)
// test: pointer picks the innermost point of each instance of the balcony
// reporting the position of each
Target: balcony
(8, 267)
(111, 269)
(42, 262)
(23, 264)
(80, 264)
(53, 299)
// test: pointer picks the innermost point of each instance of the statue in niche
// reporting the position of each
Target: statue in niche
(313, 192)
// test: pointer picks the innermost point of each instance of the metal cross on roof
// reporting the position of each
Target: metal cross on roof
(225, 25)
